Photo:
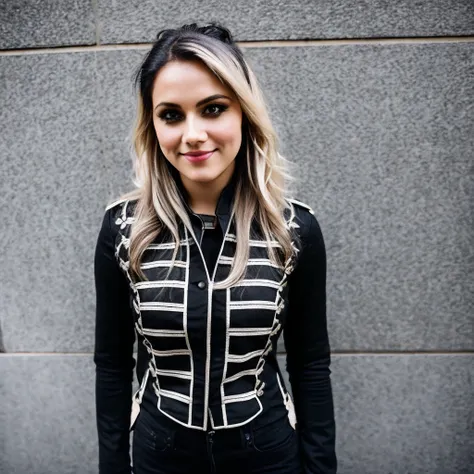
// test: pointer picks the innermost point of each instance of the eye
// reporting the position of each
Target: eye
(214, 110)
(170, 116)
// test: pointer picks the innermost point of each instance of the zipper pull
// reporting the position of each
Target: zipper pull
(248, 440)
(210, 436)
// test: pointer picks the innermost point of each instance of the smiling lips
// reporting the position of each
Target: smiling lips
(195, 156)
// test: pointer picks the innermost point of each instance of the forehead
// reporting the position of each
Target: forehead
(180, 81)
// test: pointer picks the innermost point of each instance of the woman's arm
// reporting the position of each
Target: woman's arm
(308, 352)
(113, 355)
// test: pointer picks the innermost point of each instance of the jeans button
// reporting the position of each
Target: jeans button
(202, 285)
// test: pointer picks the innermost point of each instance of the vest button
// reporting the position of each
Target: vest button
(202, 285)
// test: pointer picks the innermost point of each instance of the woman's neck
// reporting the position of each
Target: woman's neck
(203, 199)
(203, 196)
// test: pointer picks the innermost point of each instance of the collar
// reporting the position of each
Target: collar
(223, 207)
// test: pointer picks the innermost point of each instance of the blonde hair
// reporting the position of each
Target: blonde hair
(260, 188)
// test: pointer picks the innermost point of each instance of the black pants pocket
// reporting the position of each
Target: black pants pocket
(273, 437)
(152, 435)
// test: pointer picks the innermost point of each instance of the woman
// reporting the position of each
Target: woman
(205, 264)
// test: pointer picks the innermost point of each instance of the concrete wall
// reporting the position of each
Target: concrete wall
(376, 108)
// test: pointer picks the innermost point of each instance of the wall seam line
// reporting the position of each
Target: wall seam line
(244, 44)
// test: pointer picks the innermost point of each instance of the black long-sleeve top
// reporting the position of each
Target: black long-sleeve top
(305, 336)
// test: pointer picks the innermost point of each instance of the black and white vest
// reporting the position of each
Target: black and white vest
(211, 352)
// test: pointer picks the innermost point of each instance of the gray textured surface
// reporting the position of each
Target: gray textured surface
(43, 23)
(392, 127)
(399, 414)
(384, 135)
(123, 21)
(395, 414)
(51, 200)
(117, 112)
(36, 24)
(48, 415)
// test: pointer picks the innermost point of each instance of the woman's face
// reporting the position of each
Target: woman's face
(198, 122)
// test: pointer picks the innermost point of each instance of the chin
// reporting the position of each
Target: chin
(202, 177)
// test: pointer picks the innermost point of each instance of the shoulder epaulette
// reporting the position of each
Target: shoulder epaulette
(115, 203)
(301, 204)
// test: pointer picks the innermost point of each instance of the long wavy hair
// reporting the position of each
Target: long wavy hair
(261, 172)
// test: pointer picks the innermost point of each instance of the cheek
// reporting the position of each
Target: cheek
(229, 133)
(168, 138)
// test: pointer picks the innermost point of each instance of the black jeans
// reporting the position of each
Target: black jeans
(175, 449)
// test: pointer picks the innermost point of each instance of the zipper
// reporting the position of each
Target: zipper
(210, 445)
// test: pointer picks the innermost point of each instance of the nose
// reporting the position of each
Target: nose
(194, 131)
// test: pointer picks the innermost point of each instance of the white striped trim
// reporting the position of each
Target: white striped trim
(283, 394)
(187, 425)
(236, 359)
(211, 418)
(226, 354)
(290, 223)
(246, 421)
(302, 204)
(123, 265)
(264, 243)
(294, 225)
(114, 203)
(185, 328)
(207, 379)
(276, 325)
(124, 241)
(235, 305)
(249, 331)
(143, 285)
(162, 332)
(175, 352)
(166, 245)
(175, 395)
(224, 260)
(259, 282)
(174, 373)
(263, 261)
(241, 397)
(288, 402)
(163, 263)
(138, 329)
(240, 374)
(161, 306)
(255, 243)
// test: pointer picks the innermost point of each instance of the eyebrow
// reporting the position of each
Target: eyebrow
(201, 102)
